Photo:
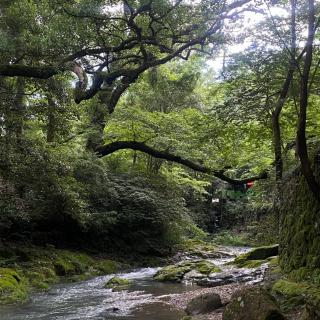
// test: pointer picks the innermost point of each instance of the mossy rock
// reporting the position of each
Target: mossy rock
(13, 287)
(38, 267)
(175, 273)
(199, 248)
(305, 274)
(262, 253)
(256, 257)
(296, 293)
(289, 288)
(252, 304)
(206, 267)
(116, 283)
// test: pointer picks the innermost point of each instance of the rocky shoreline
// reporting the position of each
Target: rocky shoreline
(229, 282)
(180, 301)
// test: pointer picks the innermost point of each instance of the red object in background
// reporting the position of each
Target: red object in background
(250, 184)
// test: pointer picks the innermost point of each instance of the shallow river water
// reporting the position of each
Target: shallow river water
(145, 300)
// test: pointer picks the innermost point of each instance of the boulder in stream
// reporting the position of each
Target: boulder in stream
(252, 303)
(231, 276)
(204, 303)
(117, 284)
(256, 257)
(176, 272)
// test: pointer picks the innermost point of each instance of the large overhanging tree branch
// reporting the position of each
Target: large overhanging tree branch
(140, 146)
(130, 43)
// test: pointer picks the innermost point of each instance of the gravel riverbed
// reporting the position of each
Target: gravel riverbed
(180, 301)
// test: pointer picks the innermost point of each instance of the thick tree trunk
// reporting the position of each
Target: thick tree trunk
(282, 97)
(51, 125)
(304, 92)
(97, 116)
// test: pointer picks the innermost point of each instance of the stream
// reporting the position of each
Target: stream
(145, 300)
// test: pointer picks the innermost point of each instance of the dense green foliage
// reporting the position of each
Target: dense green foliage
(77, 77)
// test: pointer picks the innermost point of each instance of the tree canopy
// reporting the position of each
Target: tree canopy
(123, 86)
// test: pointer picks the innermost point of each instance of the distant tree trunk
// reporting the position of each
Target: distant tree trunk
(282, 98)
(51, 125)
(302, 148)
(19, 110)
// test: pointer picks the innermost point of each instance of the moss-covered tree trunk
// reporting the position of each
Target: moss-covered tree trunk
(299, 223)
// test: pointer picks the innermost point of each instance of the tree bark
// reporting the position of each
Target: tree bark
(51, 125)
(16, 70)
(302, 148)
(282, 98)
(19, 110)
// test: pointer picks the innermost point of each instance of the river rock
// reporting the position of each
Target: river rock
(229, 276)
(257, 256)
(117, 284)
(203, 304)
(252, 303)
(177, 272)
(193, 275)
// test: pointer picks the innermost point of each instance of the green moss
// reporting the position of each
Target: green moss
(13, 287)
(256, 257)
(296, 293)
(41, 285)
(40, 277)
(37, 268)
(273, 261)
(206, 267)
(172, 272)
(289, 288)
(107, 266)
(253, 263)
(196, 246)
(116, 283)
(305, 274)
(63, 266)
(299, 225)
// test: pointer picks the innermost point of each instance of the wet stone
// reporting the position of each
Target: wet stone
(193, 275)
(204, 303)
(230, 276)
(252, 304)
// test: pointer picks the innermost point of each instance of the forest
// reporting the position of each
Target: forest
(160, 159)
